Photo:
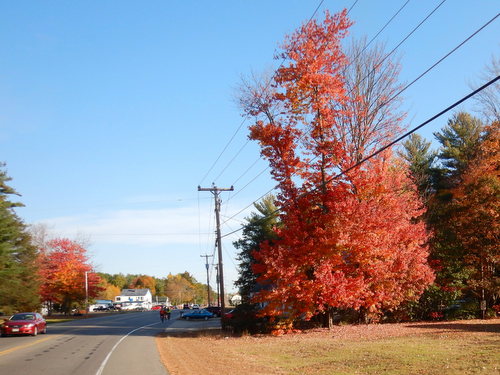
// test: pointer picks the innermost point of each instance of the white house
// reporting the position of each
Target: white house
(132, 299)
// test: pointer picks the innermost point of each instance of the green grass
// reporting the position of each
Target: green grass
(401, 355)
(58, 320)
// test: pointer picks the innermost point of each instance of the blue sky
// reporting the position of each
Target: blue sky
(113, 112)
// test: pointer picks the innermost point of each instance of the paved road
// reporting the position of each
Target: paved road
(108, 345)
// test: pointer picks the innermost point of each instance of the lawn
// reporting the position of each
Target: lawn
(465, 347)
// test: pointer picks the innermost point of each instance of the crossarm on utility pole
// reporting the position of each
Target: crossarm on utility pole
(216, 191)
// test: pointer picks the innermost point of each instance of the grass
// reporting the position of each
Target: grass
(414, 355)
(436, 350)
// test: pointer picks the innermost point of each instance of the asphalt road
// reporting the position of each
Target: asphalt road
(108, 345)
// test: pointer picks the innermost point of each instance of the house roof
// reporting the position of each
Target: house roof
(134, 292)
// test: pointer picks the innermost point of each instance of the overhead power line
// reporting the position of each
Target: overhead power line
(382, 149)
(246, 117)
(384, 103)
(382, 29)
(380, 63)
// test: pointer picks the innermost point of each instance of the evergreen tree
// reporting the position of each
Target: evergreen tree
(459, 139)
(18, 267)
(258, 229)
(420, 159)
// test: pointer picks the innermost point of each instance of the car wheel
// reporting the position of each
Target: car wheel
(206, 318)
(187, 317)
(35, 331)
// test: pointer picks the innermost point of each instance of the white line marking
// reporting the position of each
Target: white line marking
(103, 364)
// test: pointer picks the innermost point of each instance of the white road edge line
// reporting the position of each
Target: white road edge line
(103, 364)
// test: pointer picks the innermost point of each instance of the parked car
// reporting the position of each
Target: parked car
(214, 310)
(157, 307)
(27, 323)
(185, 306)
(230, 314)
(101, 308)
(198, 314)
(196, 306)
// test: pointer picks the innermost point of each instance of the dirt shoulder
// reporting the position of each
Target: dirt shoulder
(198, 350)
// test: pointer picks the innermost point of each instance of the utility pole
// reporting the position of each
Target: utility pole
(206, 256)
(216, 191)
(217, 278)
(86, 293)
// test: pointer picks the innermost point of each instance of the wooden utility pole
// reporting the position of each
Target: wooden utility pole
(216, 191)
(206, 256)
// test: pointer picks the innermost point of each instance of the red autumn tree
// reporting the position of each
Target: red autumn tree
(476, 217)
(63, 266)
(349, 242)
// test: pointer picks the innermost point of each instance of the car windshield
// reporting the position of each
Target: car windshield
(23, 317)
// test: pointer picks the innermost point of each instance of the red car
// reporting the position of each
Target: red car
(28, 323)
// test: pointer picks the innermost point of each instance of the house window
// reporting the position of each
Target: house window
(117, 298)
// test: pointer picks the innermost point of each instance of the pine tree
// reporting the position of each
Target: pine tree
(420, 160)
(18, 267)
(260, 228)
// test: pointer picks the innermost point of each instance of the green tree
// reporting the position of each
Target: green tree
(420, 158)
(18, 256)
(160, 286)
(259, 228)
(459, 140)
(438, 176)
(119, 280)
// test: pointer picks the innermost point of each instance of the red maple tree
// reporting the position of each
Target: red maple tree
(349, 242)
(63, 266)
(476, 214)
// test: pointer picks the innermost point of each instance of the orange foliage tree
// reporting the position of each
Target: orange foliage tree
(476, 216)
(349, 242)
(144, 282)
(109, 291)
(63, 265)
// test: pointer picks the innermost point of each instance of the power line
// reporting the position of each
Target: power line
(380, 31)
(366, 46)
(231, 161)
(373, 70)
(352, 6)
(400, 43)
(345, 171)
(433, 65)
(246, 117)
(246, 171)
(252, 180)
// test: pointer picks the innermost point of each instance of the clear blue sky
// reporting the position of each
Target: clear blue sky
(113, 112)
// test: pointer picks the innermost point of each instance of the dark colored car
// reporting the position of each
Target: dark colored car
(28, 323)
(214, 310)
(101, 308)
(198, 314)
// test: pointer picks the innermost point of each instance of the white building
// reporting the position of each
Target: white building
(132, 299)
